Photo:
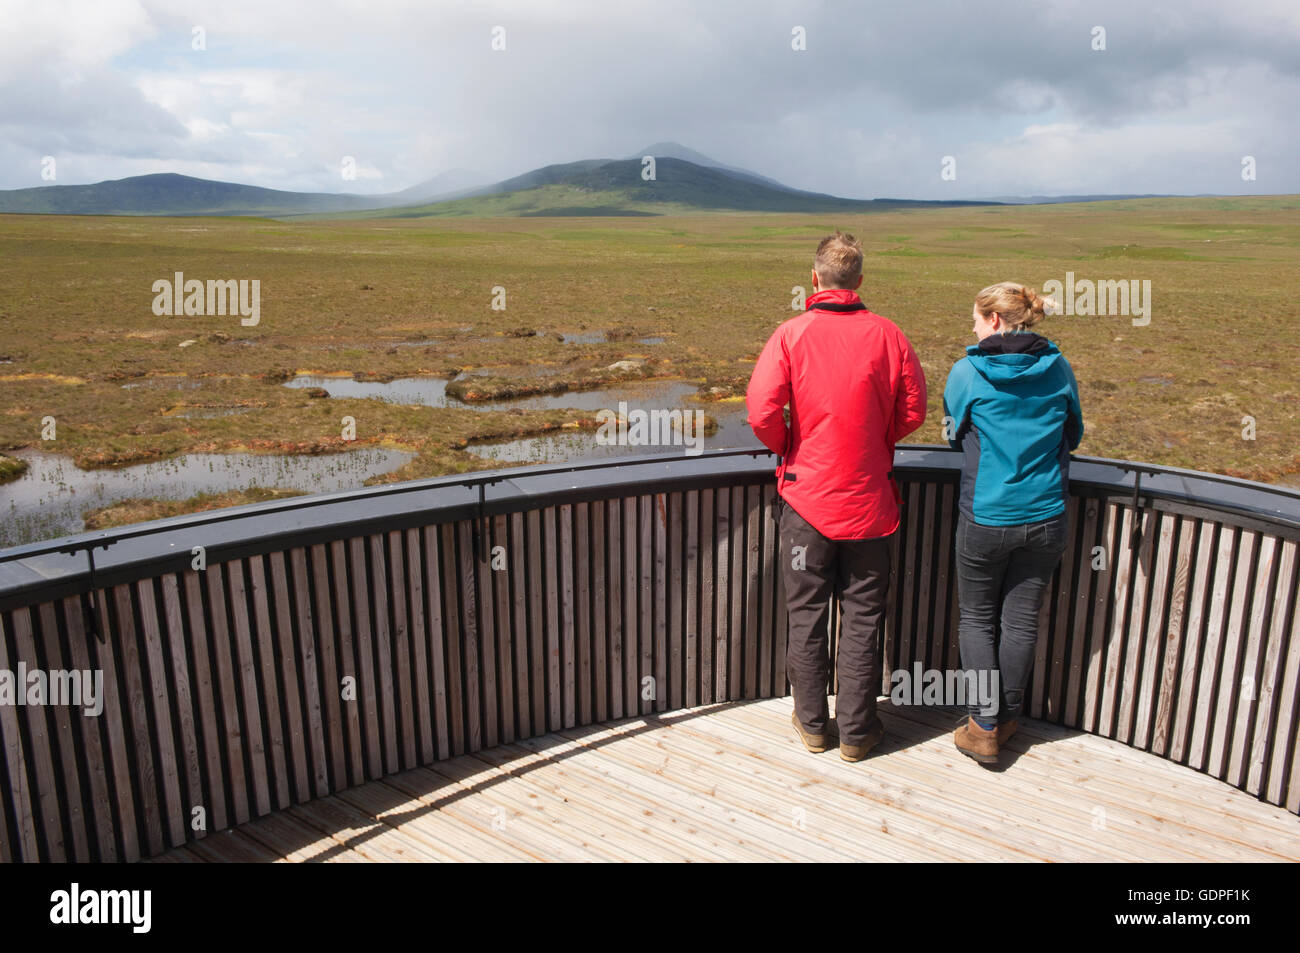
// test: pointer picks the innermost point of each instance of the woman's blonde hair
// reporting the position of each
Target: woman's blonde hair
(1019, 306)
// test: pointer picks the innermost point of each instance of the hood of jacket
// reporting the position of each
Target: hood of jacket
(1021, 356)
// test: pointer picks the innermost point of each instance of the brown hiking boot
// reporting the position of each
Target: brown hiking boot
(815, 743)
(853, 753)
(976, 742)
(1006, 730)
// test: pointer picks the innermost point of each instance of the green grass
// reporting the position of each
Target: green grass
(78, 324)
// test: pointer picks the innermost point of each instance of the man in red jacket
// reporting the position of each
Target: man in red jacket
(855, 388)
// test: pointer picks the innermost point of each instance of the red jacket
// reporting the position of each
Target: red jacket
(855, 388)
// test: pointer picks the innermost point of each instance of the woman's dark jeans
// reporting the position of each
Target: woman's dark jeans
(1002, 575)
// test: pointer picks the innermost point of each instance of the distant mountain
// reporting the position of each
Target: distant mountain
(675, 150)
(167, 193)
(615, 187)
(684, 180)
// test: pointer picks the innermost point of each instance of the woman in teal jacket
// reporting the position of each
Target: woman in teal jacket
(1012, 406)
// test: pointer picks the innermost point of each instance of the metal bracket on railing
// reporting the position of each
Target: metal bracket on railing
(89, 606)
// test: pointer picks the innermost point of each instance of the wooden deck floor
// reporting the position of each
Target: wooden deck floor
(731, 782)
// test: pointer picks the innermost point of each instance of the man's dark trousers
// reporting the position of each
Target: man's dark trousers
(813, 568)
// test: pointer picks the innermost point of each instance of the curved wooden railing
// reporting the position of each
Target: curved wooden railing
(336, 639)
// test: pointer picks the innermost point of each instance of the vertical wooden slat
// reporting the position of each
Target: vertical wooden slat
(272, 709)
(297, 659)
(1133, 628)
(374, 622)
(538, 632)
(619, 704)
(1123, 559)
(600, 610)
(707, 536)
(336, 663)
(210, 711)
(583, 675)
(438, 671)
(752, 628)
(658, 542)
(353, 569)
(1241, 716)
(674, 602)
(1265, 734)
(26, 846)
(422, 701)
(722, 593)
(736, 634)
(145, 786)
(162, 690)
(453, 624)
(568, 648)
(485, 600)
(91, 745)
(1212, 651)
(645, 607)
(471, 637)
(505, 634)
(1193, 639)
(66, 738)
(255, 747)
(551, 574)
(1228, 686)
(521, 628)
(399, 640)
(1174, 634)
(1154, 629)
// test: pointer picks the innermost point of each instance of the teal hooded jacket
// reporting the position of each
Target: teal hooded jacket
(1014, 406)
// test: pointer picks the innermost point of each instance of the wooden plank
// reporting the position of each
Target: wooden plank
(162, 689)
(1250, 674)
(422, 701)
(922, 647)
(752, 627)
(374, 578)
(484, 582)
(1212, 649)
(1265, 734)
(736, 636)
(691, 597)
(618, 705)
(674, 604)
(306, 737)
(187, 742)
(1102, 603)
(1084, 579)
(632, 702)
(66, 738)
(583, 675)
(471, 613)
(1198, 598)
(100, 809)
(145, 786)
(722, 589)
(439, 674)
(334, 645)
(945, 652)
(255, 744)
(1282, 787)
(1229, 685)
(403, 656)
(453, 620)
(367, 704)
(1052, 699)
(599, 610)
(565, 592)
(115, 727)
(1155, 636)
(208, 711)
(537, 628)
(1123, 559)
(1174, 633)
(26, 846)
(706, 542)
(505, 634)
(273, 709)
(1134, 632)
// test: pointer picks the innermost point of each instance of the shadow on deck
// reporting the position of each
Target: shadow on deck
(731, 783)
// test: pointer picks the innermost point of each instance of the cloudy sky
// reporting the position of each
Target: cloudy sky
(279, 92)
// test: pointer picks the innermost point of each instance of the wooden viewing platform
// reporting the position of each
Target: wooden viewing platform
(730, 782)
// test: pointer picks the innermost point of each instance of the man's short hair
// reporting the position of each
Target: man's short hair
(839, 261)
